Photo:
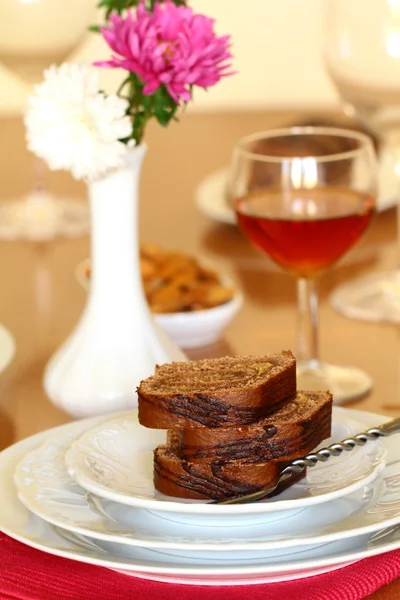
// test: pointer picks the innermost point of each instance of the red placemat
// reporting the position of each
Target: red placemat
(28, 574)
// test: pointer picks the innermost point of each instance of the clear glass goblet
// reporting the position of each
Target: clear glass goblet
(33, 35)
(362, 57)
(304, 196)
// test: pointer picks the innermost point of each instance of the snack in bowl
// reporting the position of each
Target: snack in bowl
(175, 282)
(234, 423)
(191, 302)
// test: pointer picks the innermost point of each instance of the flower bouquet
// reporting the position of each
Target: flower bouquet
(164, 51)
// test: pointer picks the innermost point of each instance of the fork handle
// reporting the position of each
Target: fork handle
(299, 464)
(360, 439)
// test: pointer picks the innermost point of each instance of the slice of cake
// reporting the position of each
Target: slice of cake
(213, 480)
(298, 427)
(219, 392)
(242, 460)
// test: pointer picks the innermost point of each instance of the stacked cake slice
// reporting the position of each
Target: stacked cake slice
(233, 423)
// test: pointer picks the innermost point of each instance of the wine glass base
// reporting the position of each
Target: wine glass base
(374, 298)
(344, 383)
(40, 217)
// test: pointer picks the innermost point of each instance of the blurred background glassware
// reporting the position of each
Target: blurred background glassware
(304, 196)
(212, 195)
(7, 348)
(33, 35)
(362, 57)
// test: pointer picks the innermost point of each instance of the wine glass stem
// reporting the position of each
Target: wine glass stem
(396, 145)
(398, 236)
(307, 341)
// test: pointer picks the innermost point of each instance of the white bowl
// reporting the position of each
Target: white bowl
(188, 329)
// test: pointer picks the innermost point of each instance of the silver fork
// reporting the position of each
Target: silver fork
(299, 464)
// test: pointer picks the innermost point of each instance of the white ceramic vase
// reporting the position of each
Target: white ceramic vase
(117, 342)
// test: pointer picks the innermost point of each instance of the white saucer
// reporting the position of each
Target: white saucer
(115, 461)
(374, 298)
(7, 348)
(211, 197)
(211, 194)
(16, 521)
(46, 489)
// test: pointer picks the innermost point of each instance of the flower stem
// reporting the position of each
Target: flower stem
(123, 84)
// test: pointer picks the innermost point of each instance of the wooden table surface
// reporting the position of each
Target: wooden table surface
(40, 299)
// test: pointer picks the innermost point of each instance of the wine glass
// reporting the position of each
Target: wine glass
(36, 33)
(304, 196)
(33, 35)
(362, 57)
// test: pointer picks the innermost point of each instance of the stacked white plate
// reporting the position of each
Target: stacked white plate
(84, 491)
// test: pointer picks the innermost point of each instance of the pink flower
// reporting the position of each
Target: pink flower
(170, 46)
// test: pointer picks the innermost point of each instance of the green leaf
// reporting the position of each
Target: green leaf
(147, 102)
(164, 106)
(116, 5)
(120, 5)
(94, 28)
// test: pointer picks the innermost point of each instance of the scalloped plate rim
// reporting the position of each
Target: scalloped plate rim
(36, 507)
(198, 507)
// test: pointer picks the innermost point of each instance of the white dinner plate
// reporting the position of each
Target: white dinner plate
(46, 489)
(211, 196)
(7, 348)
(19, 523)
(115, 461)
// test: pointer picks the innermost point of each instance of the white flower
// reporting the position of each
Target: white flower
(73, 126)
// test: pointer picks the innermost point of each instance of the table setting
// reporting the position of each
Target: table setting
(172, 444)
(70, 493)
